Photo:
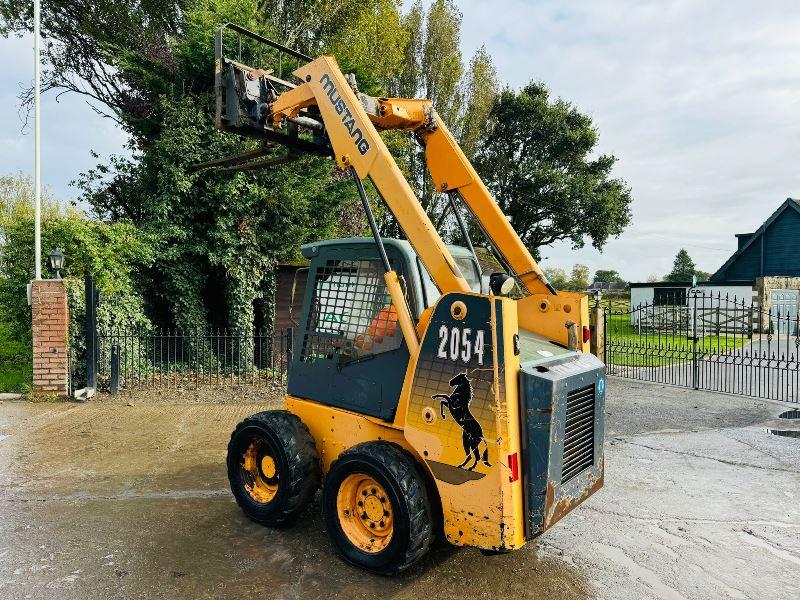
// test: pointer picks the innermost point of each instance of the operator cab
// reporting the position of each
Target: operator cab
(348, 350)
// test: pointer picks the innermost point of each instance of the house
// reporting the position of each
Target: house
(770, 259)
(765, 269)
(607, 286)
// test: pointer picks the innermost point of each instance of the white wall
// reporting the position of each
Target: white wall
(641, 295)
(725, 297)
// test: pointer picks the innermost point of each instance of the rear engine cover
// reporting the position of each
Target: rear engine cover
(562, 403)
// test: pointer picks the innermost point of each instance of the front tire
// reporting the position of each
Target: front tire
(273, 466)
(376, 508)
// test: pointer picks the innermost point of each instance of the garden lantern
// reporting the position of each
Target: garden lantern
(57, 261)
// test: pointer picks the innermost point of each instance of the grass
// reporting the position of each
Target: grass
(16, 370)
(625, 345)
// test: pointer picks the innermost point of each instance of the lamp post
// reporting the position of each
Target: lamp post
(37, 183)
(57, 261)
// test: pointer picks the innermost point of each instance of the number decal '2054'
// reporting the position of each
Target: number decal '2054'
(456, 344)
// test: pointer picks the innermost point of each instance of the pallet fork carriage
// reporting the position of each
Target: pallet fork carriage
(420, 397)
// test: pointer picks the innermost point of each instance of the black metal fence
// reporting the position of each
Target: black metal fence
(707, 341)
(157, 358)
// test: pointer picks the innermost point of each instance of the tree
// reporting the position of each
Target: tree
(702, 275)
(608, 276)
(538, 159)
(432, 69)
(580, 277)
(116, 254)
(480, 89)
(150, 67)
(557, 277)
(441, 58)
(683, 268)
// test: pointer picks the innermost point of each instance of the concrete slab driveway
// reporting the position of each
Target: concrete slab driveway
(106, 500)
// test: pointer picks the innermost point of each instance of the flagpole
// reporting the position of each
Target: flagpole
(37, 179)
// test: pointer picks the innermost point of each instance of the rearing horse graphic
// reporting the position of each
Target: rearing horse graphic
(458, 403)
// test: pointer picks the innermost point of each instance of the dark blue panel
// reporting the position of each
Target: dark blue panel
(747, 266)
(782, 246)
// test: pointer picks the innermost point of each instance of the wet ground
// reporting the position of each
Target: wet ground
(106, 500)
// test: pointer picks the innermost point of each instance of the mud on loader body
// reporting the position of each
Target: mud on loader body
(420, 397)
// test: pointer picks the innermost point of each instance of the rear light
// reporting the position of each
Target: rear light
(586, 334)
(513, 465)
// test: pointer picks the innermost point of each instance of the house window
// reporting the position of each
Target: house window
(669, 296)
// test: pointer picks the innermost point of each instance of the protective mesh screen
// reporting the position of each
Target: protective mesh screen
(351, 313)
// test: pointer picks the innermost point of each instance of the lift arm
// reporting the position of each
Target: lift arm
(351, 123)
(337, 120)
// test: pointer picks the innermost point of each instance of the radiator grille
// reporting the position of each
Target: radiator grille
(578, 432)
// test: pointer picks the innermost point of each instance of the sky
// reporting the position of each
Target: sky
(70, 128)
(699, 101)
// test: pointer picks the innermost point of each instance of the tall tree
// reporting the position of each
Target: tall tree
(540, 162)
(580, 277)
(557, 277)
(683, 267)
(479, 91)
(432, 69)
(607, 276)
(441, 58)
(409, 81)
(150, 67)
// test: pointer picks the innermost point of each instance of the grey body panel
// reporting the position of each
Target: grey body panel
(544, 390)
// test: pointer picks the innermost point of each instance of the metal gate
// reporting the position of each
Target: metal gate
(125, 358)
(707, 341)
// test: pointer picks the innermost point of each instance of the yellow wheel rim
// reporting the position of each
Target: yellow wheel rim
(365, 513)
(259, 474)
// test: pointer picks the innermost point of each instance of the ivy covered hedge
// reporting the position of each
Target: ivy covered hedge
(118, 254)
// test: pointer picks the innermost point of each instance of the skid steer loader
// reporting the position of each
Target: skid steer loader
(421, 397)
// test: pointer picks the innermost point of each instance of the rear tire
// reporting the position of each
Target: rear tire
(273, 466)
(376, 508)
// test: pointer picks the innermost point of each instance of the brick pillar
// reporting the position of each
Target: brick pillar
(50, 321)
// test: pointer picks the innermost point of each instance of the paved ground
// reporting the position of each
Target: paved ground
(114, 501)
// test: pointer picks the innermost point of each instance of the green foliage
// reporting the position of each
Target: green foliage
(577, 281)
(580, 278)
(431, 68)
(15, 361)
(479, 93)
(683, 268)
(206, 242)
(215, 229)
(539, 161)
(117, 254)
(702, 275)
(557, 277)
(608, 276)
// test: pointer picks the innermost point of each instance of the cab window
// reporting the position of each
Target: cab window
(467, 266)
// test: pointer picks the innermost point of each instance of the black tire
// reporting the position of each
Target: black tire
(395, 470)
(286, 439)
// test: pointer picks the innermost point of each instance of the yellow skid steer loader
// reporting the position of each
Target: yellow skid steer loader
(420, 397)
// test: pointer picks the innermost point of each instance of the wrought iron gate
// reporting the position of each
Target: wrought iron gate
(120, 358)
(707, 341)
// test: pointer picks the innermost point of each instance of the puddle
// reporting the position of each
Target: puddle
(792, 433)
(790, 414)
